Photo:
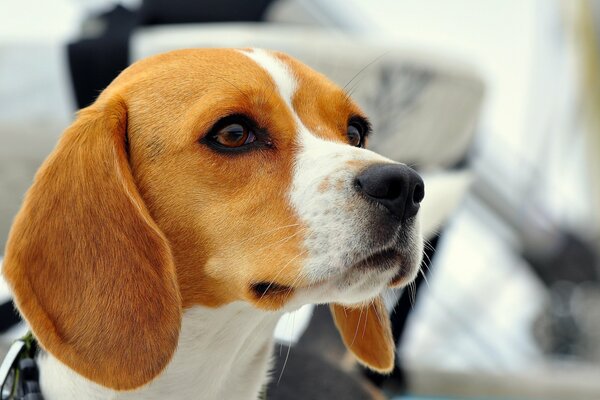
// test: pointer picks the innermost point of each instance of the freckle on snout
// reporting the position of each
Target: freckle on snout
(355, 164)
(324, 185)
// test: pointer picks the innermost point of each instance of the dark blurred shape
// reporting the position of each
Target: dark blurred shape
(569, 257)
(95, 61)
(307, 375)
(102, 52)
(321, 337)
(568, 265)
(569, 326)
(158, 12)
(9, 316)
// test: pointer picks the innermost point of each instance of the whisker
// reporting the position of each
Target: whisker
(292, 286)
(357, 326)
(424, 277)
(246, 96)
(366, 320)
(283, 240)
(412, 292)
(288, 351)
(267, 232)
(379, 317)
(280, 271)
(428, 245)
(363, 69)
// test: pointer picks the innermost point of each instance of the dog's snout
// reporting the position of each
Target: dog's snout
(397, 187)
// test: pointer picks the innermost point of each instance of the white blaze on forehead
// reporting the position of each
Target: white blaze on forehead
(279, 72)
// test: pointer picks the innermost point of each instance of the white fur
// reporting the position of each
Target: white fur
(223, 353)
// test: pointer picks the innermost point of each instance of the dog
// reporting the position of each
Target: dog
(202, 195)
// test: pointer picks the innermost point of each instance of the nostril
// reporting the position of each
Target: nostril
(358, 184)
(418, 193)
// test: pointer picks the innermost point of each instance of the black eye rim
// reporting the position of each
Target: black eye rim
(261, 137)
(363, 126)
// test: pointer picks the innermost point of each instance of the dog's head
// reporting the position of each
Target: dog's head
(203, 177)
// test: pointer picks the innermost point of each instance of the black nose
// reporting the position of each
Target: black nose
(397, 187)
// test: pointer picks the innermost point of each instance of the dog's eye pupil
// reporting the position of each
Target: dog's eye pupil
(234, 135)
(355, 135)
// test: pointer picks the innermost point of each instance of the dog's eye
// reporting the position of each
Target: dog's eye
(355, 134)
(234, 135)
(358, 130)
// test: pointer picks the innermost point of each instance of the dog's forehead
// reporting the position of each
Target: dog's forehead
(227, 68)
(182, 77)
(321, 106)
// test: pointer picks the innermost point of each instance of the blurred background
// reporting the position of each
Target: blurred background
(496, 102)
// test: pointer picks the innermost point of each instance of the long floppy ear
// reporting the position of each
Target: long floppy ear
(90, 270)
(366, 332)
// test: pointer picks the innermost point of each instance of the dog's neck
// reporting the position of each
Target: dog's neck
(222, 354)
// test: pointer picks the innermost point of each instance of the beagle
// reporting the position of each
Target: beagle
(205, 193)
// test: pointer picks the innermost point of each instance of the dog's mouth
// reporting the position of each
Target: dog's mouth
(382, 260)
(391, 259)
(262, 289)
(388, 260)
(270, 295)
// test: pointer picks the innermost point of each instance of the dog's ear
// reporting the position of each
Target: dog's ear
(90, 270)
(367, 333)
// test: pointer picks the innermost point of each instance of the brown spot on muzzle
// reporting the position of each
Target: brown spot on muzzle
(324, 185)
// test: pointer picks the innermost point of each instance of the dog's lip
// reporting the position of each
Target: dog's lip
(380, 260)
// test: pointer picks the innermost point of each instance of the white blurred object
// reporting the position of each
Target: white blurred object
(443, 193)
(292, 325)
(4, 290)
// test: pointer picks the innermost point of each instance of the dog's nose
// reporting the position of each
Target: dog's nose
(397, 187)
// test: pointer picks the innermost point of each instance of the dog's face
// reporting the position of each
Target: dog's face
(251, 172)
(203, 177)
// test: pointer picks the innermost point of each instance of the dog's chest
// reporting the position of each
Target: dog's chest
(222, 354)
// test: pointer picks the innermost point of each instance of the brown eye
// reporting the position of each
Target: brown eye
(355, 134)
(234, 135)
